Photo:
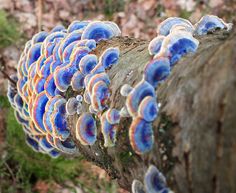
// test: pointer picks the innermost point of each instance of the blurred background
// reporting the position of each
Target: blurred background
(21, 169)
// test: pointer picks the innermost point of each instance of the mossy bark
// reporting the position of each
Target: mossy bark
(195, 133)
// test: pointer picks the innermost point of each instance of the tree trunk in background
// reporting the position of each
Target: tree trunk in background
(195, 133)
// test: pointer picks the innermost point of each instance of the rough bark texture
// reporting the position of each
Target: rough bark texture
(195, 133)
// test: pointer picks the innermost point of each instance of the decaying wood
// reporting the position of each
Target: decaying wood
(195, 133)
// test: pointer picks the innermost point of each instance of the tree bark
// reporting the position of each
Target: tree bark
(195, 133)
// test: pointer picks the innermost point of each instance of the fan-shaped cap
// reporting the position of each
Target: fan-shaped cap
(87, 63)
(67, 146)
(32, 142)
(157, 70)
(125, 90)
(97, 30)
(148, 109)
(141, 136)
(178, 44)
(71, 106)
(39, 37)
(77, 25)
(141, 90)
(154, 180)
(110, 57)
(77, 81)
(100, 95)
(109, 131)
(137, 187)
(209, 23)
(86, 130)
(113, 116)
(155, 45)
(38, 110)
(165, 26)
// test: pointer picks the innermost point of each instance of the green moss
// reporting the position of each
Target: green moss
(27, 166)
(4, 103)
(8, 30)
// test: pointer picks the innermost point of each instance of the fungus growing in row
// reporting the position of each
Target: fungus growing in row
(109, 131)
(141, 90)
(77, 81)
(77, 25)
(87, 63)
(87, 98)
(148, 109)
(32, 142)
(100, 95)
(165, 26)
(49, 86)
(154, 180)
(86, 130)
(157, 70)
(71, 106)
(176, 45)
(137, 187)
(58, 28)
(39, 37)
(54, 153)
(67, 146)
(141, 136)
(98, 31)
(110, 57)
(49, 109)
(39, 110)
(209, 23)
(125, 90)
(96, 78)
(74, 36)
(33, 54)
(45, 145)
(155, 45)
(113, 116)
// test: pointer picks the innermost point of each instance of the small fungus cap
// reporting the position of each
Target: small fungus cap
(113, 116)
(110, 57)
(86, 130)
(148, 109)
(209, 23)
(125, 90)
(71, 106)
(87, 63)
(165, 26)
(98, 31)
(141, 90)
(157, 70)
(154, 180)
(155, 45)
(141, 136)
(137, 187)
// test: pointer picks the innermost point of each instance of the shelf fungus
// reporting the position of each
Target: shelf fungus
(141, 136)
(87, 63)
(177, 45)
(148, 109)
(155, 181)
(108, 130)
(98, 31)
(209, 23)
(155, 45)
(165, 26)
(72, 105)
(137, 187)
(110, 57)
(157, 70)
(86, 129)
(141, 90)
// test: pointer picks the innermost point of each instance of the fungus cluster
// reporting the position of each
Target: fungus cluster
(154, 182)
(49, 65)
(56, 63)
